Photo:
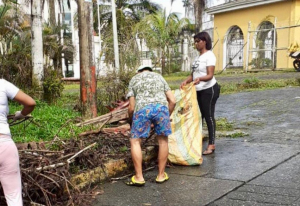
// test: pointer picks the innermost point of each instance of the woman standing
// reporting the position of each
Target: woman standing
(10, 176)
(208, 90)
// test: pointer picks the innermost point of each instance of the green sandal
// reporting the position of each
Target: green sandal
(162, 181)
(133, 182)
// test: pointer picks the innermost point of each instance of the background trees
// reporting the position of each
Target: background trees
(161, 34)
(15, 46)
(129, 13)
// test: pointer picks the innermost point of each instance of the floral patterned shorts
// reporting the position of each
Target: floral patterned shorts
(155, 114)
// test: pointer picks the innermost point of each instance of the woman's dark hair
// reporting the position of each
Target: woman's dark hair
(204, 36)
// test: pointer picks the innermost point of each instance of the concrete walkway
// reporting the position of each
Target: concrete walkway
(260, 169)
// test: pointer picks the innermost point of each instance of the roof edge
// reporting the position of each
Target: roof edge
(232, 6)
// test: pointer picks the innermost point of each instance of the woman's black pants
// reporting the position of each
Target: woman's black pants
(207, 99)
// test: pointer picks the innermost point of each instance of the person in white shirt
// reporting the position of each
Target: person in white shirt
(10, 176)
(208, 90)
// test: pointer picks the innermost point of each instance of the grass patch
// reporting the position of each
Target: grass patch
(252, 123)
(48, 121)
(222, 124)
(72, 86)
(254, 84)
(237, 135)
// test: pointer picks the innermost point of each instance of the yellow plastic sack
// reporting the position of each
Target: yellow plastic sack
(185, 142)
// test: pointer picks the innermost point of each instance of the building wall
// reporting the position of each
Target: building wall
(207, 19)
(286, 14)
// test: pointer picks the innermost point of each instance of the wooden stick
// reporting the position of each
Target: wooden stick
(71, 158)
(52, 180)
(51, 166)
(96, 131)
(48, 151)
(68, 160)
(113, 116)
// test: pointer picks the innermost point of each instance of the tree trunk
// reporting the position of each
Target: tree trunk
(37, 42)
(52, 13)
(199, 6)
(163, 63)
(88, 82)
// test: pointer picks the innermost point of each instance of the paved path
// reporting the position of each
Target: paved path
(260, 169)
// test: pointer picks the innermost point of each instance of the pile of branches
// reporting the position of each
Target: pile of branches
(46, 173)
(47, 167)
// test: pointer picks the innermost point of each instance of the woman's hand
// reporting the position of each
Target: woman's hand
(196, 81)
(183, 84)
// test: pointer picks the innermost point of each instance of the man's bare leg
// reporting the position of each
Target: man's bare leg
(137, 158)
(162, 155)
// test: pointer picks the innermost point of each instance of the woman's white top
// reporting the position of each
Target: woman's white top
(199, 69)
(7, 90)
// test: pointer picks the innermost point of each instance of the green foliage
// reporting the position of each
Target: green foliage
(48, 122)
(237, 135)
(111, 88)
(161, 31)
(251, 85)
(260, 63)
(52, 85)
(69, 73)
(15, 61)
(128, 15)
(251, 82)
(124, 149)
(222, 124)
(53, 47)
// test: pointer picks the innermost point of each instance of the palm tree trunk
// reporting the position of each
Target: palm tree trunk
(52, 13)
(163, 63)
(199, 6)
(37, 42)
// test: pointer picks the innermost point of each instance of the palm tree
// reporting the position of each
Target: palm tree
(161, 32)
(128, 14)
(15, 45)
(186, 5)
(199, 6)
(53, 48)
(52, 10)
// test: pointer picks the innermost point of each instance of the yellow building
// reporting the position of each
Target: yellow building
(255, 34)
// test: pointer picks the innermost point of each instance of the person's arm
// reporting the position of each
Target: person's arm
(171, 100)
(27, 102)
(131, 109)
(188, 80)
(210, 74)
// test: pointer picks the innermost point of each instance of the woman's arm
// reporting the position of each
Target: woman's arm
(188, 80)
(210, 74)
(27, 102)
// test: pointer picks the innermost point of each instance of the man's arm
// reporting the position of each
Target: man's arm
(131, 109)
(171, 100)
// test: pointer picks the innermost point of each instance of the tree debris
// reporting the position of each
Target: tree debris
(47, 167)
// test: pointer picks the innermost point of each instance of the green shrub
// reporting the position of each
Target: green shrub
(52, 85)
(112, 88)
